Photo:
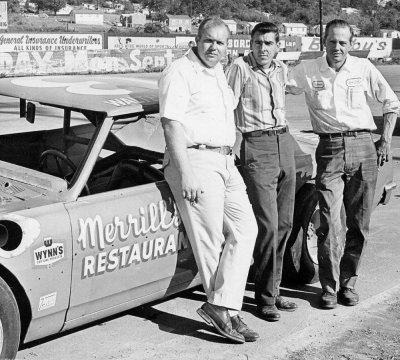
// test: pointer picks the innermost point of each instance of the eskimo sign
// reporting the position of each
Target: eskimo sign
(93, 233)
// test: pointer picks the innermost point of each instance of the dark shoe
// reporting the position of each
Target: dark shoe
(285, 305)
(348, 297)
(219, 317)
(242, 328)
(328, 300)
(268, 312)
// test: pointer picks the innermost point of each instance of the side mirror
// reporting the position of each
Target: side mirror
(30, 112)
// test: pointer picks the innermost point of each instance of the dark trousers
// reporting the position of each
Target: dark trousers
(270, 176)
(346, 174)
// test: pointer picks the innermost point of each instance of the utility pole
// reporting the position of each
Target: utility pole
(321, 28)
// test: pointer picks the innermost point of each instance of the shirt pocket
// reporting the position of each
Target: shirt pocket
(355, 97)
(321, 99)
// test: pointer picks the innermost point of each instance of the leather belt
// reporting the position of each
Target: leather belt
(268, 132)
(224, 150)
(344, 133)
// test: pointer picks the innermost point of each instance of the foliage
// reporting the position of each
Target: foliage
(52, 5)
(370, 18)
(12, 6)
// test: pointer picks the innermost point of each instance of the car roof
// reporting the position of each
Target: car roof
(114, 95)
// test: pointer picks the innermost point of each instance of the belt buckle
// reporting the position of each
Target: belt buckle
(202, 147)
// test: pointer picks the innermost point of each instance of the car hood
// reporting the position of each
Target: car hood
(20, 187)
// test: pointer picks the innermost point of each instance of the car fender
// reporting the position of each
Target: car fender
(39, 255)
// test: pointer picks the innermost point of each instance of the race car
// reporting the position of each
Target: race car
(88, 226)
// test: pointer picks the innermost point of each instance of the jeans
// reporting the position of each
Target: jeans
(346, 175)
(270, 175)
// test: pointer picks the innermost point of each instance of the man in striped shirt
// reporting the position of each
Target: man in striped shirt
(267, 160)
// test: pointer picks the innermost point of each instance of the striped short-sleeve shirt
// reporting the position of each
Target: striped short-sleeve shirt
(260, 94)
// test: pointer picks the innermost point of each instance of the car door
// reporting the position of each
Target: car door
(128, 248)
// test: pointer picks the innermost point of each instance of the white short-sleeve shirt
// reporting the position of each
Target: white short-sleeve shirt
(337, 101)
(200, 99)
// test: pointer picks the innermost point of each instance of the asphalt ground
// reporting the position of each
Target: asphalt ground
(171, 329)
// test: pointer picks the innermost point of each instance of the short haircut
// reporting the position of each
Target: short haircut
(338, 23)
(212, 21)
(264, 28)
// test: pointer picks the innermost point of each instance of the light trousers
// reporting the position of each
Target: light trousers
(221, 226)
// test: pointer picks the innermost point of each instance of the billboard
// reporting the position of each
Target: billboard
(377, 47)
(21, 63)
(136, 42)
(50, 42)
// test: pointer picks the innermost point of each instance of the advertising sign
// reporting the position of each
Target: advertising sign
(50, 42)
(133, 42)
(183, 41)
(238, 45)
(377, 47)
(3, 15)
(291, 43)
(81, 62)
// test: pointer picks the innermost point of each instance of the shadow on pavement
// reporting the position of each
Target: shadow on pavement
(179, 325)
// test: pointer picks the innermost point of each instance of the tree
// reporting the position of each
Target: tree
(52, 5)
(158, 6)
(12, 6)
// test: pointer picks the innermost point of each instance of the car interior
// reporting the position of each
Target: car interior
(59, 153)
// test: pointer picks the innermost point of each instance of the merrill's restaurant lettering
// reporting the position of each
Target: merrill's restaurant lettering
(107, 238)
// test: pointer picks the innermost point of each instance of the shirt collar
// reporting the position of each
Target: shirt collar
(324, 66)
(253, 63)
(198, 65)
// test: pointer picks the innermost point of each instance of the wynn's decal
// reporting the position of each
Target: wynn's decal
(47, 255)
(93, 233)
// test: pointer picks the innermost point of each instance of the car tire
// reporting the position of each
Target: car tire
(10, 323)
(300, 260)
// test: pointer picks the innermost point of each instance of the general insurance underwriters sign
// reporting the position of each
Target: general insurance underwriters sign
(50, 42)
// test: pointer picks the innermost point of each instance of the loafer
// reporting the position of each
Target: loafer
(218, 316)
(285, 305)
(238, 325)
(348, 297)
(268, 312)
(328, 300)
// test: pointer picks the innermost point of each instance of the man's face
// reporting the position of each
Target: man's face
(264, 47)
(337, 45)
(211, 46)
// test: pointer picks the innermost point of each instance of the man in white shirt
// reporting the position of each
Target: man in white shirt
(337, 87)
(196, 109)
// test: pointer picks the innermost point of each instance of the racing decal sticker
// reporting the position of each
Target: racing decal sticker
(48, 254)
(353, 82)
(94, 233)
(318, 85)
(47, 301)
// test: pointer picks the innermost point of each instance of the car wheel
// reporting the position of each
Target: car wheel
(10, 324)
(300, 261)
